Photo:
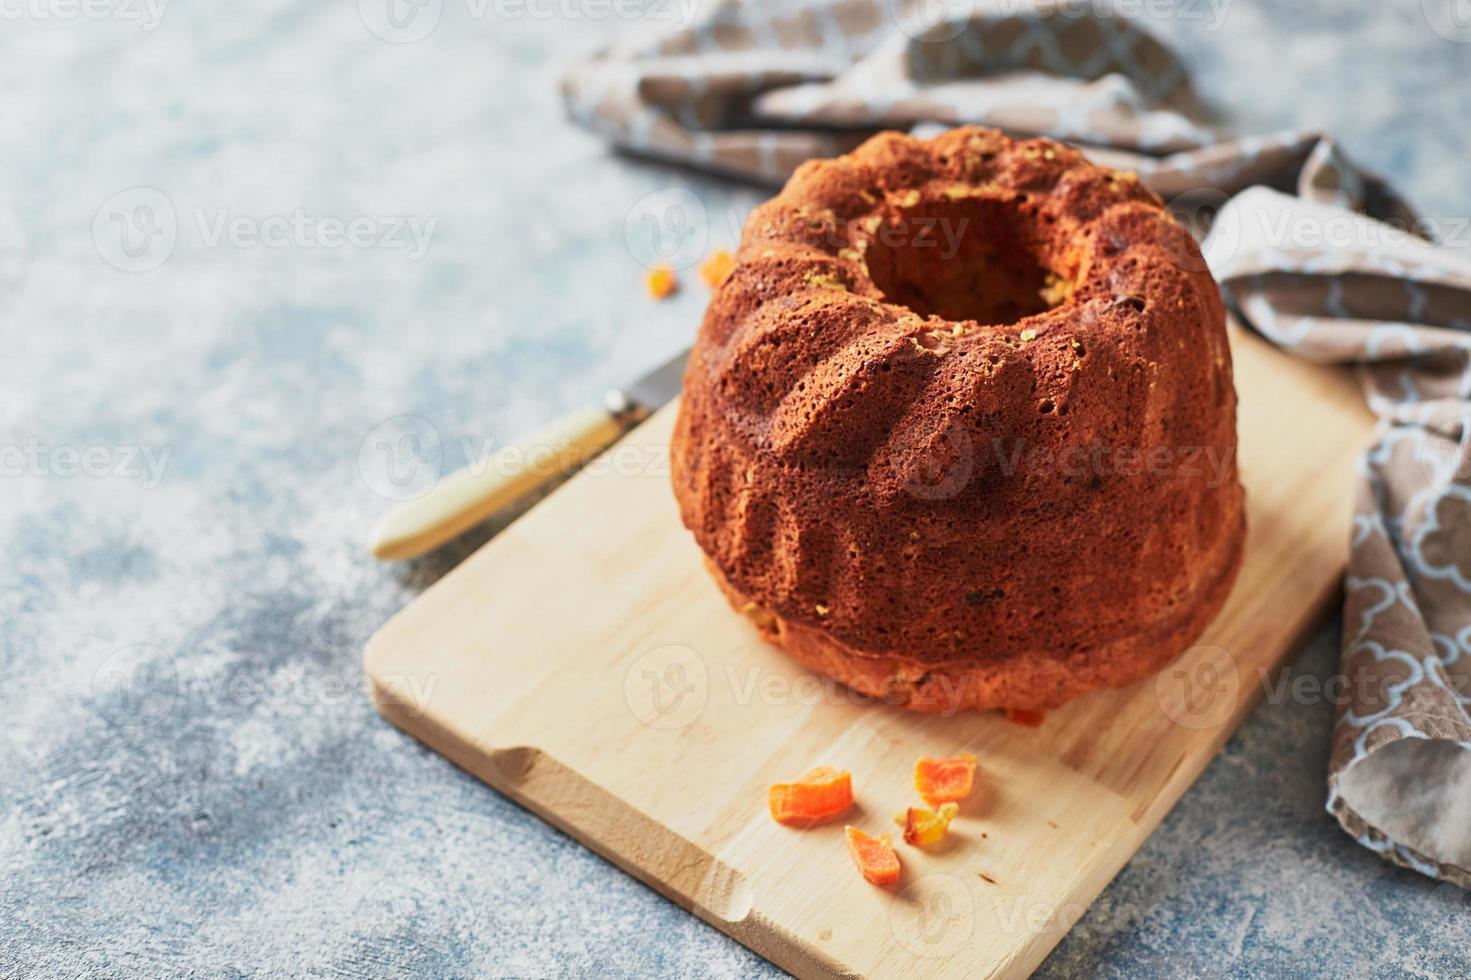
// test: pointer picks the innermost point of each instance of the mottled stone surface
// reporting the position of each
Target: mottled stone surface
(192, 776)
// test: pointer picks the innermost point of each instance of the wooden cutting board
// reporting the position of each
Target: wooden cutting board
(583, 663)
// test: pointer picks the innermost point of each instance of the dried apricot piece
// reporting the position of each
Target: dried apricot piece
(1029, 717)
(717, 267)
(661, 282)
(874, 856)
(924, 827)
(945, 780)
(819, 795)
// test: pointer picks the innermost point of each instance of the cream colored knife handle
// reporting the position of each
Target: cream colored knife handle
(466, 497)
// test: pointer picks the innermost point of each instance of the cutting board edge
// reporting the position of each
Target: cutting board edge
(506, 770)
(1044, 942)
(509, 771)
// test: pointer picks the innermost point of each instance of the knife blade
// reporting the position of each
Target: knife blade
(466, 497)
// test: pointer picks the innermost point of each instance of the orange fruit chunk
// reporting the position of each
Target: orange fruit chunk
(717, 267)
(874, 856)
(945, 780)
(661, 282)
(820, 795)
(924, 827)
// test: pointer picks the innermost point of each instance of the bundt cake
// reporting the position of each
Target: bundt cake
(959, 429)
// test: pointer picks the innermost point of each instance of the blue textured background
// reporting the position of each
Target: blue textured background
(225, 799)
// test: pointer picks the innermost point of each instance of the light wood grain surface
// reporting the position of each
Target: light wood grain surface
(583, 663)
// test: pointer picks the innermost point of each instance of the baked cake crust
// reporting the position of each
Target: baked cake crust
(958, 430)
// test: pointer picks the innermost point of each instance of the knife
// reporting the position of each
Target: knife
(468, 496)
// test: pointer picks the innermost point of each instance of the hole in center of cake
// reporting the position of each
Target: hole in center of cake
(976, 258)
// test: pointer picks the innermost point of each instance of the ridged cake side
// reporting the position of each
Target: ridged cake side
(993, 471)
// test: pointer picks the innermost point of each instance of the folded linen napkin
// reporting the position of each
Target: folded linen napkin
(1320, 257)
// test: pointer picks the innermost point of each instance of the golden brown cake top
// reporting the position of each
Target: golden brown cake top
(890, 408)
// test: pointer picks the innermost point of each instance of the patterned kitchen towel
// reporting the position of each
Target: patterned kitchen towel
(1318, 256)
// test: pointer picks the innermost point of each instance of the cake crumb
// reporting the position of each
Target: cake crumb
(825, 280)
